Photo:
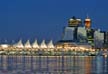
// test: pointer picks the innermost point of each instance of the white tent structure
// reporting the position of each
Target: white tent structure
(50, 45)
(27, 44)
(19, 44)
(43, 45)
(35, 44)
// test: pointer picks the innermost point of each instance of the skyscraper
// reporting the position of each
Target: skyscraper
(81, 35)
(70, 32)
(98, 39)
(77, 33)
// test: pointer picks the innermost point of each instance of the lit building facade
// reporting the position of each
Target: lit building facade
(69, 33)
(81, 35)
(98, 39)
(106, 40)
(106, 37)
(77, 33)
(90, 36)
(74, 22)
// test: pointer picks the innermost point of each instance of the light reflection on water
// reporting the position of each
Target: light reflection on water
(53, 65)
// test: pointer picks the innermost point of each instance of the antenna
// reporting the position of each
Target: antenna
(87, 15)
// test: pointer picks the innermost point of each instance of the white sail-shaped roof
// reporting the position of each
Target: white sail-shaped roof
(43, 45)
(35, 44)
(27, 44)
(50, 44)
(19, 44)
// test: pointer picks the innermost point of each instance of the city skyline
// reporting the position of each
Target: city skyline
(46, 19)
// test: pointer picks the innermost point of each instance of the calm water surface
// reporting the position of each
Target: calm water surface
(53, 64)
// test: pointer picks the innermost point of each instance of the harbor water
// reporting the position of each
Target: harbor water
(11, 64)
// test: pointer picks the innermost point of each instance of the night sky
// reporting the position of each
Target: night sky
(45, 19)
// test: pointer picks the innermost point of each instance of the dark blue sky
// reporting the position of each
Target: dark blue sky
(45, 19)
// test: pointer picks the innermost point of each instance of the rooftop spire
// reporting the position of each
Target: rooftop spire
(87, 16)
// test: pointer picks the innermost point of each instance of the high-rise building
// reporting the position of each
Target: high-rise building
(98, 39)
(106, 37)
(106, 40)
(81, 35)
(69, 33)
(90, 36)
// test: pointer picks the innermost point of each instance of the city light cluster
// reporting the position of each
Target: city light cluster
(43, 48)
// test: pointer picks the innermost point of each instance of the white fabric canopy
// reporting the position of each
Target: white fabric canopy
(27, 44)
(43, 45)
(50, 44)
(19, 44)
(35, 44)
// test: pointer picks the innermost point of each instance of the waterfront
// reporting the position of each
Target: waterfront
(11, 64)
